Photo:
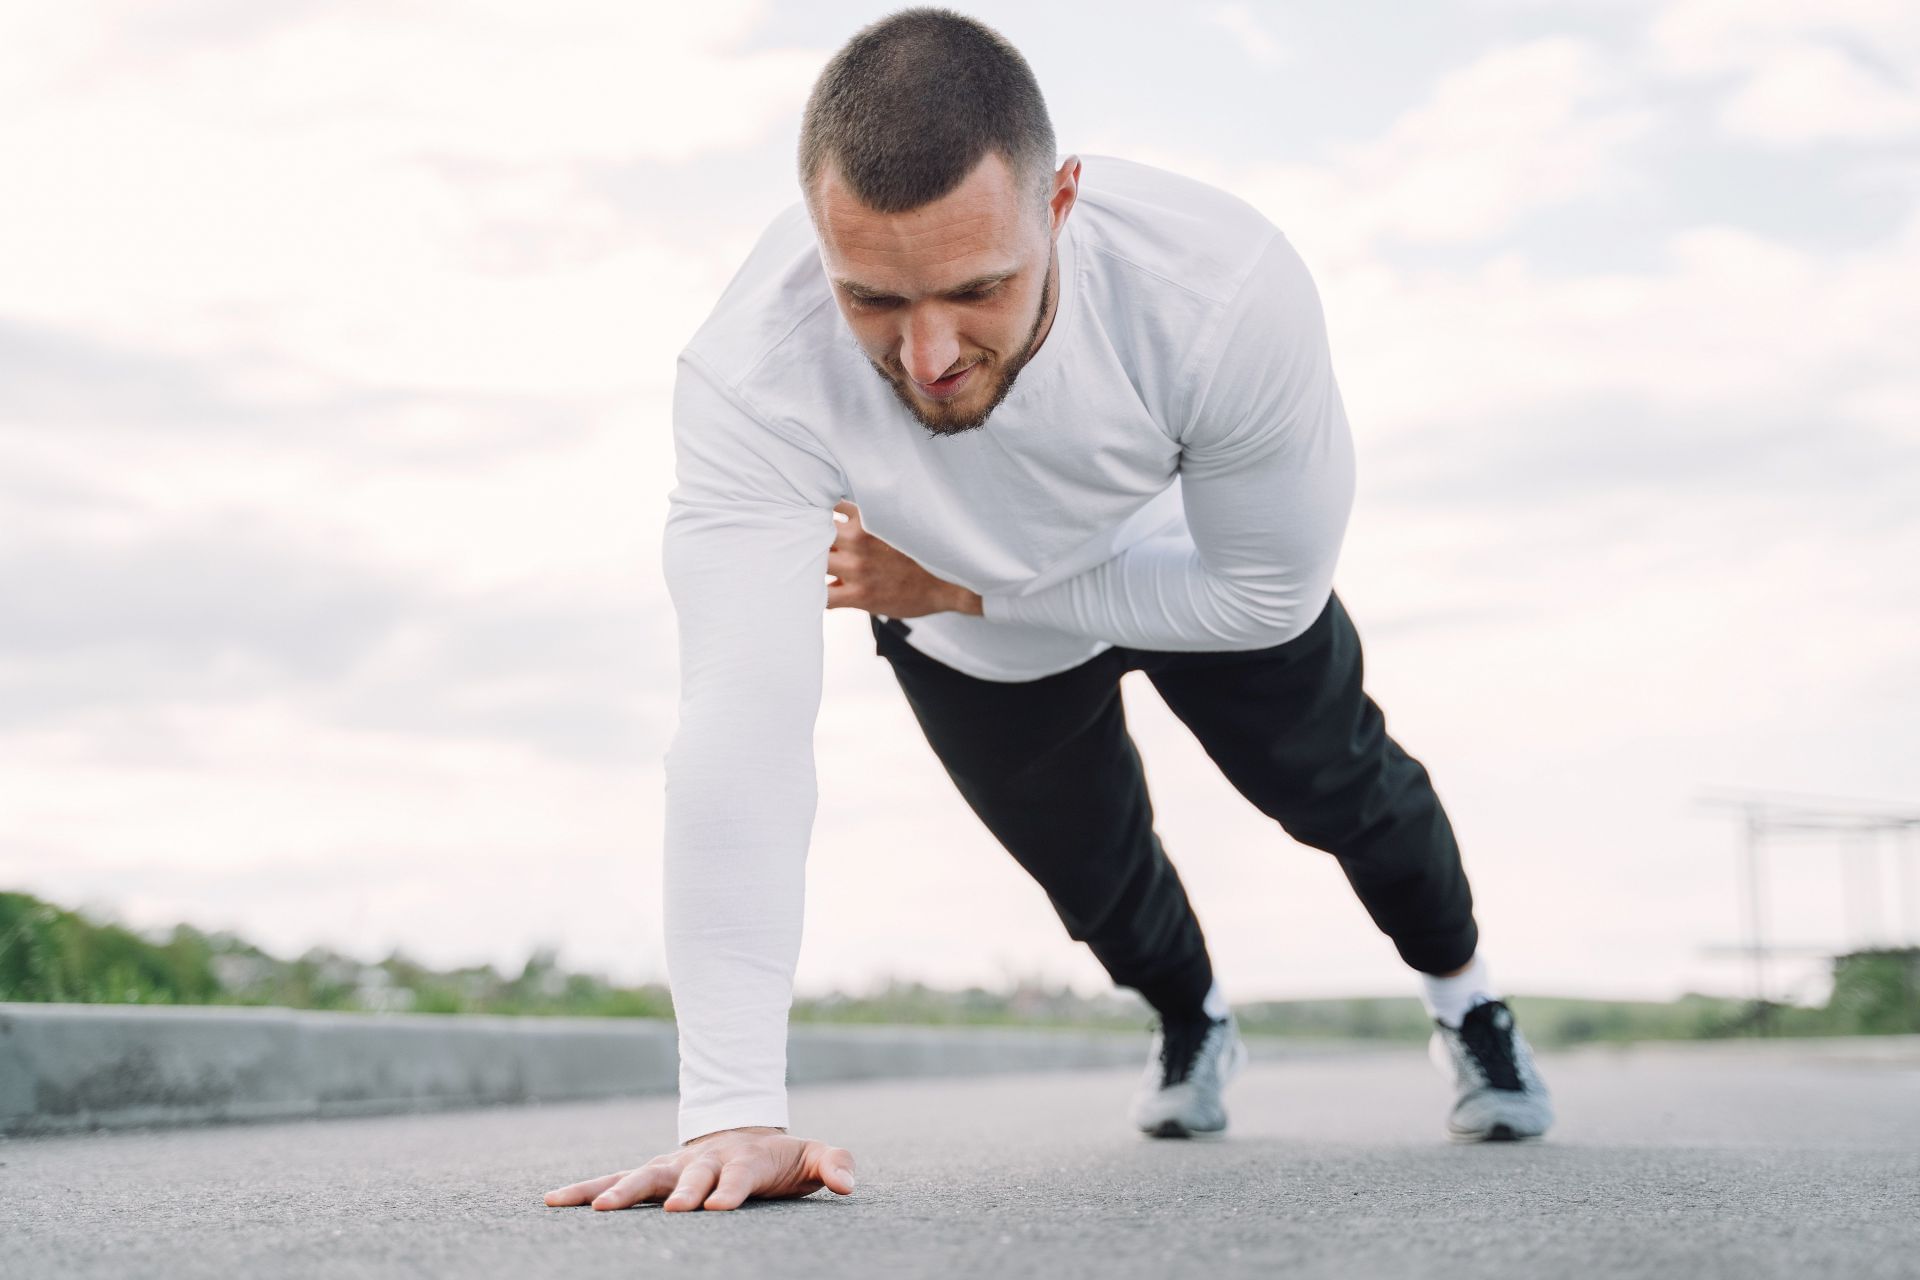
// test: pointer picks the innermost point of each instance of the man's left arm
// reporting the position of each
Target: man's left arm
(1267, 478)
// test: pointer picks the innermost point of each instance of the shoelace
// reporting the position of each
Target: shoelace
(1180, 1045)
(1487, 1031)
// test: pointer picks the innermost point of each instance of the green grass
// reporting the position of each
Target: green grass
(48, 953)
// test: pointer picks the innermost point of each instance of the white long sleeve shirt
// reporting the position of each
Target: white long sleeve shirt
(1172, 470)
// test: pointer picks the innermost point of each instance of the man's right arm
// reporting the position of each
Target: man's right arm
(749, 524)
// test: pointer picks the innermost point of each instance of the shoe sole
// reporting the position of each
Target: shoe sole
(1498, 1132)
(1497, 1118)
(1174, 1129)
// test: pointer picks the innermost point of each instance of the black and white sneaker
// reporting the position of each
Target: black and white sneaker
(1498, 1093)
(1188, 1067)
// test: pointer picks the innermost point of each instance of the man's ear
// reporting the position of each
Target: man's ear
(1066, 190)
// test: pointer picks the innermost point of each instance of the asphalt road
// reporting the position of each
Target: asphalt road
(1672, 1161)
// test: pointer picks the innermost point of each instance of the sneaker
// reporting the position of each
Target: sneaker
(1498, 1094)
(1188, 1066)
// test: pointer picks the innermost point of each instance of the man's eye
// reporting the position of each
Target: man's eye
(978, 295)
(871, 304)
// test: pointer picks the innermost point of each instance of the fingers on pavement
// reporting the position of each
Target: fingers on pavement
(736, 1184)
(581, 1192)
(634, 1186)
(696, 1181)
(827, 1163)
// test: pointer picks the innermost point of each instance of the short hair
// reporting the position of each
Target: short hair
(912, 103)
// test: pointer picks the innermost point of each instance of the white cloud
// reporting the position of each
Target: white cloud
(1797, 73)
(1737, 326)
(1240, 21)
(297, 833)
(1706, 36)
(1805, 93)
(1733, 325)
(583, 508)
(1522, 128)
(396, 199)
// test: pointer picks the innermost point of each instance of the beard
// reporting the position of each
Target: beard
(951, 424)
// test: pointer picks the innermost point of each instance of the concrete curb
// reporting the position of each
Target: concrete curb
(68, 1067)
(1869, 1050)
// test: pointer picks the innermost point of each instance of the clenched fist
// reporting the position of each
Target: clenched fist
(868, 573)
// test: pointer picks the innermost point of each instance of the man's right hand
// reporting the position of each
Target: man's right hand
(720, 1170)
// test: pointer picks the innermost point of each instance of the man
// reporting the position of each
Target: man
(1089, 429)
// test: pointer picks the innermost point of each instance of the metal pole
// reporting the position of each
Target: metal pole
(1909, 907)
(1853, 888)
(1869, 840)
(1756, 938)
(1856, 826)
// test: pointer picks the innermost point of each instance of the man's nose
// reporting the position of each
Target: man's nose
(930, 348)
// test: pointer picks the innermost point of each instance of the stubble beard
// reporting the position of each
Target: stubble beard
(938, 428)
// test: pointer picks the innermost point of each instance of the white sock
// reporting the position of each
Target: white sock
(1448, 999)
(1215, 1005)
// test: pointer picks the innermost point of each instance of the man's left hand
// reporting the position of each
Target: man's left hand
(867, 573)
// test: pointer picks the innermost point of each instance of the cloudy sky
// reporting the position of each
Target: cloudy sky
(336, 344)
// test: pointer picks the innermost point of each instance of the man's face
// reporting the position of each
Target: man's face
(950, 300)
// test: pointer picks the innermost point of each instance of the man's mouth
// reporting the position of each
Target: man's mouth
(948, 386)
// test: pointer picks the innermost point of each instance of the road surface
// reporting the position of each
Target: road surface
(1669, 1161)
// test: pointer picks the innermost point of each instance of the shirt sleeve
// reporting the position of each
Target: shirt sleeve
(1267, 479)
(749, 524)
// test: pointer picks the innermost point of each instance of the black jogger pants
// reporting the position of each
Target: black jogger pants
(1050, 769)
